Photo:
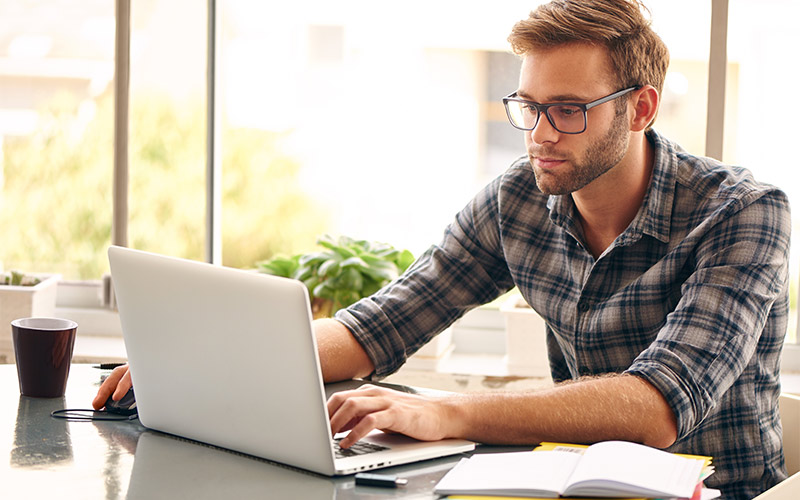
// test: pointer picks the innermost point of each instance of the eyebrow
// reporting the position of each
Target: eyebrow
(555, 98)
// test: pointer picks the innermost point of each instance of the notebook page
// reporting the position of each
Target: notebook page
(608, 465)
(508, 473)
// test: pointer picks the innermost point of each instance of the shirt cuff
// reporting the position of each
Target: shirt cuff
(373, 330)
(671, 382)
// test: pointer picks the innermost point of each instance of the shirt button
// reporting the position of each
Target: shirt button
(584, 306)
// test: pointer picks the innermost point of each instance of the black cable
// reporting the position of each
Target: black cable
(81, 415)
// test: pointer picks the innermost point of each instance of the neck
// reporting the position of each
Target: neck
(607, 206)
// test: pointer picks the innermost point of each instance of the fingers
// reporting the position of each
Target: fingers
(347, 411)
(353, 410)
(363, 410)
(124, 384)
(361, 415)
(370, 422)
(117, 383)
(338, 399)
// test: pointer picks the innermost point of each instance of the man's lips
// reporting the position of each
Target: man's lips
(547, 163)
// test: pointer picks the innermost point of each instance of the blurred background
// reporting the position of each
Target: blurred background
(369, 119)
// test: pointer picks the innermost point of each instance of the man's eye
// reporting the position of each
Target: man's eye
(567, 111)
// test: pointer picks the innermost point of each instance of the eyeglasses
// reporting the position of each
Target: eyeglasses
(565, 117)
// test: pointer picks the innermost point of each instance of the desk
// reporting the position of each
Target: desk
(44, 457)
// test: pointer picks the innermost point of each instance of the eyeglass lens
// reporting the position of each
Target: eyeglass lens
(565, 118)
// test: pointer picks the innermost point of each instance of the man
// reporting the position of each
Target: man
(662, 276)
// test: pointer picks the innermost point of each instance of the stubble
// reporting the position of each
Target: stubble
(601, 155)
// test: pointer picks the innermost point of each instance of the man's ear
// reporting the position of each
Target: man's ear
(645, 106)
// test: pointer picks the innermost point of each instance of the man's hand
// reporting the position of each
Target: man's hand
(371, 407)
(623, 407)
(117, 384)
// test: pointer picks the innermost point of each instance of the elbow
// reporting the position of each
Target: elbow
(662, 439)
(659, 425)
(664, 431)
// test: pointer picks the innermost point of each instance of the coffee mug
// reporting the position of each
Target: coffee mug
(43, 347)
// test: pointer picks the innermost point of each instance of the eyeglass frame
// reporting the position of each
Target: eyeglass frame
(544, 108)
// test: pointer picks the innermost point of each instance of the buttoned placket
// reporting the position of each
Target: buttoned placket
(593, 276)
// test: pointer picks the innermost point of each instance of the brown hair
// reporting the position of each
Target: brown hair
(638, 55)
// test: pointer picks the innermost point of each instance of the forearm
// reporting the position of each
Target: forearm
(340, 354)
(620, 407)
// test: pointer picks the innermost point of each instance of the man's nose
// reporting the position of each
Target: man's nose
(544, 131)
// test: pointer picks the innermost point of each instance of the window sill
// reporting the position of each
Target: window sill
(99, 338)
(99, 349)
(93, 321)
(790, 369)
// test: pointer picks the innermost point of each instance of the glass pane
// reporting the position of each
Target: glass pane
(56, 134)
(167, 147)
(303, 150)
(684, 25)
(334, 114)
(762, 41)
(333, 119)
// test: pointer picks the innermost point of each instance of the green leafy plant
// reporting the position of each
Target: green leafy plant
(17, 278)
(343, 273)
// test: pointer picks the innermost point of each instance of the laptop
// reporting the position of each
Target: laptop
(229, 358)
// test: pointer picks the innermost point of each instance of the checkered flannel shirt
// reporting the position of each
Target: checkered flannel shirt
(692, 297)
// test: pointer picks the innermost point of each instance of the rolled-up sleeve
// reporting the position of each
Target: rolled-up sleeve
(465, 270)
(740, 259)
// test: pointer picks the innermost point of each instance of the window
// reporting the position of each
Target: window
(167, 127)
(335, 118)
(340, 117)
(355, 112)
(759, 135)
(56, 123)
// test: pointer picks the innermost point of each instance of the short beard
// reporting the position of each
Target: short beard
(601, 156)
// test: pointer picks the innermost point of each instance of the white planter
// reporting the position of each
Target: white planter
(433, 353)
(24, 302)
(526, 344)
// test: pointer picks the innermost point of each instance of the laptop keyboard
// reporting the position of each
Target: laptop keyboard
(360, 448)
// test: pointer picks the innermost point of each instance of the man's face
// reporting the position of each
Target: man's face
(565, 163)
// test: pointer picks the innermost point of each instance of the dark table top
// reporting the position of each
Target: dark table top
(52, 458)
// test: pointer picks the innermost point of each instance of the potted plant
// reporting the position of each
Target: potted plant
(345, 271)
(23, 296)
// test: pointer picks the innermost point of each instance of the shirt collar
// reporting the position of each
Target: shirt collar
(654, 216)
(654, 219)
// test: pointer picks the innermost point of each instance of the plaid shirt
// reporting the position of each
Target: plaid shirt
(692, 297)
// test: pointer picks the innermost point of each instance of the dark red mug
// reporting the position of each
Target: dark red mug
(43, 348)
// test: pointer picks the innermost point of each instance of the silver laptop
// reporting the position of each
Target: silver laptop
(229, 358)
